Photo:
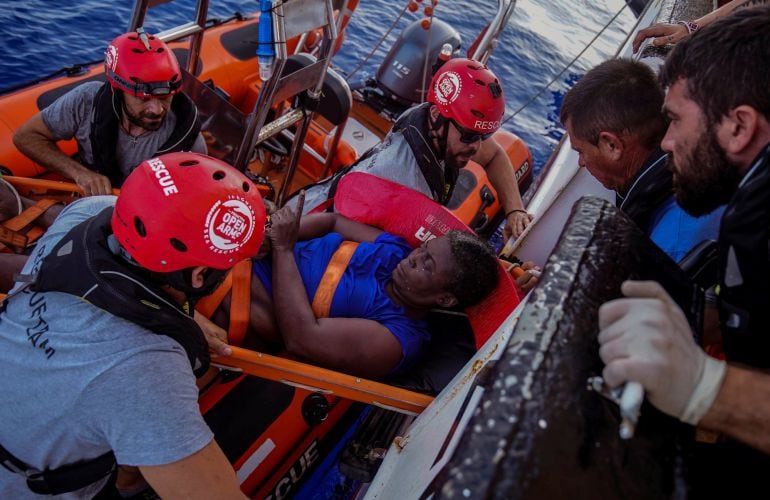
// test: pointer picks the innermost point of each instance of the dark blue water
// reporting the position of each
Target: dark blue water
(41, 36)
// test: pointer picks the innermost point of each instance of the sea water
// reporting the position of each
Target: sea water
(542, 37)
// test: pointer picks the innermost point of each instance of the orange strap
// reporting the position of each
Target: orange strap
(9, 233)
(29, 215)
(239, 281)
(240, 302)
(12, 238)
(322, 301)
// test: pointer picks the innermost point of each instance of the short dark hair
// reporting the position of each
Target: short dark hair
(726, 64)
(619, 95)
(476, 269)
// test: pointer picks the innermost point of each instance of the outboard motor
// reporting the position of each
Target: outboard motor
(400, 76)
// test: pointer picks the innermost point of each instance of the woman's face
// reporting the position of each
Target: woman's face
(424, 274)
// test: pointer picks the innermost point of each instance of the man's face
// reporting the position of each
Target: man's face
(597, 161)
(703, 177)
(147, 113)
(459, 153)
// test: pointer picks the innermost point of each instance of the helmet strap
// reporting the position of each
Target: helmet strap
(182, 281)
(440, 135)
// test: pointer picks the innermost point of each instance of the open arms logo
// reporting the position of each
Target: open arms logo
(447, 88)
(111, 57)
(229, 225)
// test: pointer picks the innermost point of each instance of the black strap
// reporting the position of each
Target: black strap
(441, 180)
(105, 122)
(83, 264)
(66, 478)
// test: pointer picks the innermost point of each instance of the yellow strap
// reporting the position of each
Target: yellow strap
(322, 301)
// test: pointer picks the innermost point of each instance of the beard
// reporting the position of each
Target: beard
(453, 163)
(148, 121)
(703, 177)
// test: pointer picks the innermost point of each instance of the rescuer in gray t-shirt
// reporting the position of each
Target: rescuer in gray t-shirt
(140, 112)
(81, 381)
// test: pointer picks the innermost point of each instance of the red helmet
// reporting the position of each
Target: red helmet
(466, 92)
(183, 210)
(142, 65)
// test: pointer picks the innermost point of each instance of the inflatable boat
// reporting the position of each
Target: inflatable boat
(276, 418)
(512, 417)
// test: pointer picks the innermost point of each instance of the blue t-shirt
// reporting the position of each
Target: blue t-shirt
(361, 290)
(676, 232)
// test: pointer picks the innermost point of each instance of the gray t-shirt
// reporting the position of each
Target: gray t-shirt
(77, 382)
(70, 116)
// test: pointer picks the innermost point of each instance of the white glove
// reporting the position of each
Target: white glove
(646, 338)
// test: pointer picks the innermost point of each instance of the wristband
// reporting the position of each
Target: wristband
(514, 211)
(691, 26)
(705, 392)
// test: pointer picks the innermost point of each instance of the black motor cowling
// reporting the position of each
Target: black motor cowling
(400, 76)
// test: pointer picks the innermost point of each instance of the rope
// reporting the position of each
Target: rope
(574, 59)
(20, 205)
(427, 56)
(73, 70)
(377, 45)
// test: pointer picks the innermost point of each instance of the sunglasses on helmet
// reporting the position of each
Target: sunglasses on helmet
(155, 89)
(468, 136)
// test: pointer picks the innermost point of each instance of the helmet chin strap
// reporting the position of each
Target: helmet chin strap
(441, 136)
(180, 280)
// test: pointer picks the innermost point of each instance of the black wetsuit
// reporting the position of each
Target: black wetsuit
(647, 191)
(730, 469)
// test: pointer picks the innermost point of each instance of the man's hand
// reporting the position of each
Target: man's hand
(92, 183)
(646, 338)
(661, 34)
(265, 247)
(529, 278)
(284, 225)
(216, 337)
(515, 224)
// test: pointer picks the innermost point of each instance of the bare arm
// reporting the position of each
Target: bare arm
(500, 172)
(742, 408)
(36, 141)
(665, 33)
(204, 474)
(316, 225)
(359, 346)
